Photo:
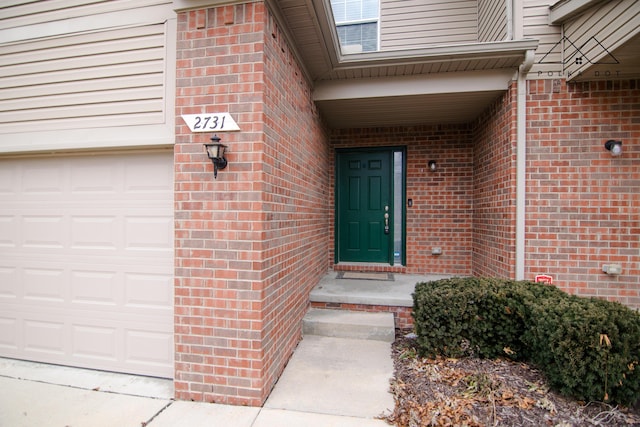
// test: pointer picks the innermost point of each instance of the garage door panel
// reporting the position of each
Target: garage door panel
(145, 347)
(86, 261)
(46, 231)
(147, 176)
(94, 177)
(95, 232)
(94, 287)
(40, 178)
(9, 236)
(45, 285)
(151, 291)
(148, 233)
(8, 177)
(44, 337)
(8, 283)
(9, 333)
(94, 342)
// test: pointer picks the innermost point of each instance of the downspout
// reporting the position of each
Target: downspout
(509, 12)
(521, 161)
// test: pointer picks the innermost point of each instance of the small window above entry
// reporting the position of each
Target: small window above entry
(357, 24)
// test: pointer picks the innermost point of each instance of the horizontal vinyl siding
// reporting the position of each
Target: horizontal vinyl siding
(20, 13)
(97, 79)
(492, 20)
(72, 68)
(407, 24)
(599, 31)
(548, 57)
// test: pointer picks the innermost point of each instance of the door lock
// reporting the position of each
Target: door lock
(386, 220)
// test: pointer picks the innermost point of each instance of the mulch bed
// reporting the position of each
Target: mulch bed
(482, 392)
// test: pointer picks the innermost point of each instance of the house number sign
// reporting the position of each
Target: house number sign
(210, 122)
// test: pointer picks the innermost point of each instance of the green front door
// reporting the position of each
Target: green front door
(364, 211)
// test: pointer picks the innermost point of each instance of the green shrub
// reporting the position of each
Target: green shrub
(467, 316)
(588, 348)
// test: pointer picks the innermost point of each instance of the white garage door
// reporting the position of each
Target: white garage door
(86, 261)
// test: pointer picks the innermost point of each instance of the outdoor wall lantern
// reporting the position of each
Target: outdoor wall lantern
(215, 152)
(432, 165)
(615, 147)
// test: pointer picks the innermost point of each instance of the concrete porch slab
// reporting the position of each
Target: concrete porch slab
(396, 293)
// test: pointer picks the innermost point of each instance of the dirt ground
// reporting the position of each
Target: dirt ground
(480, 392)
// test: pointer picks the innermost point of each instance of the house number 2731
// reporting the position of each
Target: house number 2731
(210, 122)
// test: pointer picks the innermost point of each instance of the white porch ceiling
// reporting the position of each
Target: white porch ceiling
(446, 108)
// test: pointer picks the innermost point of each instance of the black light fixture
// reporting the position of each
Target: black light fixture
(432, 165)
(215, 152)
(615, 147)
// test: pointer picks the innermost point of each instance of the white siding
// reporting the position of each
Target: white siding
(598, 32)
(406, 24)
(492, 20)
(24, 13)
(69, 66)
(548, 59)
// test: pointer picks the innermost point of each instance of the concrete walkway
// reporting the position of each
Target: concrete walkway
(328, 382)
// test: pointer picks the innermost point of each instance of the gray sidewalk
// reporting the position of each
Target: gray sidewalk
(328, 382)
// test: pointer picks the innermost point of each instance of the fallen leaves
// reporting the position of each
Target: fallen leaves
(479, 392)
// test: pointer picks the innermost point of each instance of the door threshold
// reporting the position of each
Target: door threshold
(369, 267)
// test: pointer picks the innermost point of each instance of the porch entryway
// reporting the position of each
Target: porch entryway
(388, 292)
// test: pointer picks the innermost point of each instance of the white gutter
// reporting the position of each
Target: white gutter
(521, 162)
(439, 53)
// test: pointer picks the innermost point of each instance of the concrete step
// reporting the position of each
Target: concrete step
(349, 324)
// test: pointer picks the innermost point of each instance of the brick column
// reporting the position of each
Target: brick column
(218, 287)
(251, 244)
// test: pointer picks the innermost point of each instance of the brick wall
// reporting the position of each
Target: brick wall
(583, 206)
(494, 189)
(442, 209)
(296, 187)
(245, 259)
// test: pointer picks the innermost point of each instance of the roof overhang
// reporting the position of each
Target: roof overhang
(566, 9)
(457, 97)
(444, 84)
